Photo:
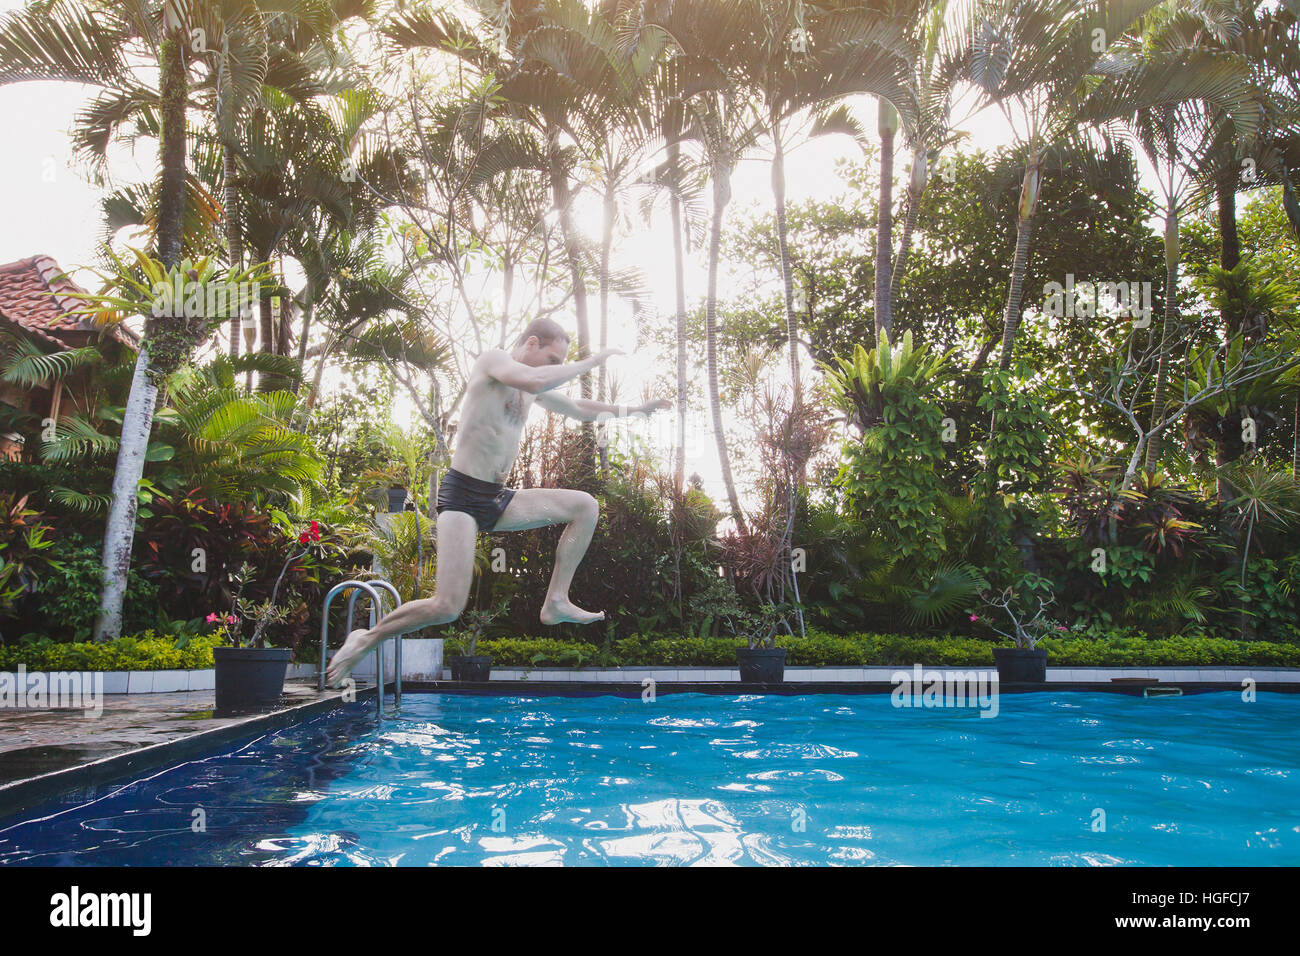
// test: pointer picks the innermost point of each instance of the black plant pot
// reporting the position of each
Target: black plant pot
(477, 668)
(249, 678)
(761, 665)
(396, 499)
(1020, 665)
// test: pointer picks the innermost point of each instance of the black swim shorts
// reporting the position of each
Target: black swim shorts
(483, 501)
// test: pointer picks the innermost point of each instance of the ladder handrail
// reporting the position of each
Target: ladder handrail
(325, 616)
(375, 605)
(397, 641)
(379, 652)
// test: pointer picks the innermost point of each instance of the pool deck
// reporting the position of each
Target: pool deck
(52, 752)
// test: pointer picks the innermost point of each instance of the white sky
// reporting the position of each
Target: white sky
(47, 206)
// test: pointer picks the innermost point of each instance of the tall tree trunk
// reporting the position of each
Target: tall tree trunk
(679, 281)
(1229, 241)
(917, 181)
(285, 331)
(308, 308)
(313, 394)
(1295, 441)
(1024, 233)
(1225, 189)
(137, 420)
(119, 533)
(1290, 202)
(783, 249)
(266, 332)
(507, 291)
(234, 242)
(887, 122)
(721, 196)
(1171, 316)
(563, 198)
(606, 244)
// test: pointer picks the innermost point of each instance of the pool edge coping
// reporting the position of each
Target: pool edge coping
(551, 688)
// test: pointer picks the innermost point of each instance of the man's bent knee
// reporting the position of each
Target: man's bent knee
(443, 610)
(586, 508)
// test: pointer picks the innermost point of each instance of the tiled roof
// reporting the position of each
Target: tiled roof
(25, 300)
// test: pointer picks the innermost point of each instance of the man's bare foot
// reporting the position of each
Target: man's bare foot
(564, 611)
(347, 657)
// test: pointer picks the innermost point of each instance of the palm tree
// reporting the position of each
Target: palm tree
(872, 50)
(1171, 133)
(137, 421)
(664, 93)
(940, 61)
(1267, 41)
(257, 48)
(887, 127)
(1037, 54)
(793, 77)
(713, 41)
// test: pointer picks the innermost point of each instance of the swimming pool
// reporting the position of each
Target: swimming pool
(1204, 779)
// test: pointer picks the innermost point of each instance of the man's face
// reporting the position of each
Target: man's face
(552, 353)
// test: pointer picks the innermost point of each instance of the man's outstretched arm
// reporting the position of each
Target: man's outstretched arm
(537, 379)
(585, 410)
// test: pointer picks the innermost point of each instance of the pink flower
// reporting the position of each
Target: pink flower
(213, 618)
(974, 617)
(1062, 628)
(231, 619)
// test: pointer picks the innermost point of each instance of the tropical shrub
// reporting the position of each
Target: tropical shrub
(1118, 648)
(145, 651)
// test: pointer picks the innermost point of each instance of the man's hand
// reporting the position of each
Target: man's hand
(658, 405)
(604, 355)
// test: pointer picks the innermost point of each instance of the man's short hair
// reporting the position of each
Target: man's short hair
(546, 330)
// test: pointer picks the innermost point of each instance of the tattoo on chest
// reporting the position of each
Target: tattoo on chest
(515, 408)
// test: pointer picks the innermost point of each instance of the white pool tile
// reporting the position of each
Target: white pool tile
(115, 682)
(139, 682)
(168, 682)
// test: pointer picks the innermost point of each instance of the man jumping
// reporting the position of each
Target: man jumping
(473, 497)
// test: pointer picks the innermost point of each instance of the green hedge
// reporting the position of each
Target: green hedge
(143, 652)
(823, 650)
(149, 652)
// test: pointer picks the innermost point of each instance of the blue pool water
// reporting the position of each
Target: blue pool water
(1203, 779)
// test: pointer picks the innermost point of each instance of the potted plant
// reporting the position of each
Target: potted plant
(250, 676)
(762, 662)
(1024, 662)
(465, 664)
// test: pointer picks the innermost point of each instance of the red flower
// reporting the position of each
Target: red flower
(304, 538)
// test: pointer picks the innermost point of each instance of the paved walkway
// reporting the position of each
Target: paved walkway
(33, 742)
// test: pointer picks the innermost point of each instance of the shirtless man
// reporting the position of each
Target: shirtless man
(472, 496)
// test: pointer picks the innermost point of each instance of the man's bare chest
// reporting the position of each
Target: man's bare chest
(516, 407)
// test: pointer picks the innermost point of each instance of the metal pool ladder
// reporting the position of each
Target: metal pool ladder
(372, 589)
